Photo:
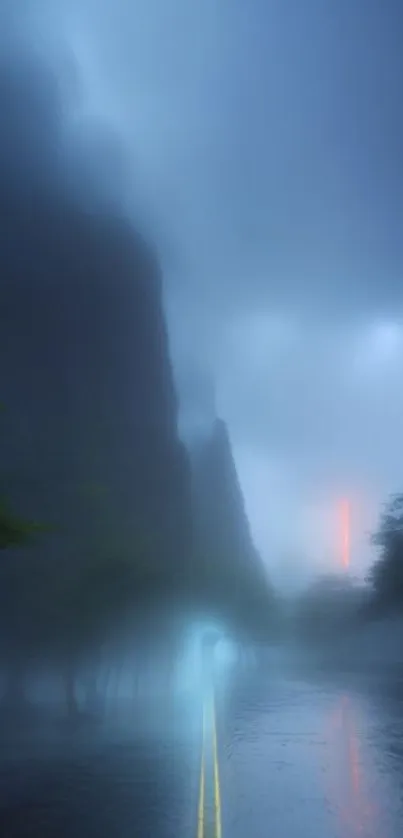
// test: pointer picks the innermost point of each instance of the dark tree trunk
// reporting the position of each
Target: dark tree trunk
(105, 687)
(69, 682)
(93, 698)
(117, 682)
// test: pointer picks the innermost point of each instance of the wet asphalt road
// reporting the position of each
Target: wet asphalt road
(298, 757)
(303, 758)
(129, 777)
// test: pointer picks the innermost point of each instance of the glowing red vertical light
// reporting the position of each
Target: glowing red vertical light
(345, 533)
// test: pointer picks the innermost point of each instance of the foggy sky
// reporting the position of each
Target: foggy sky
(263, 142)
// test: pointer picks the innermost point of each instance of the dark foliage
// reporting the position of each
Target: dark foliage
(386, 575)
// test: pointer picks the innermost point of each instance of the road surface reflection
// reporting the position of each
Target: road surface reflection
(298, 758)
(307, 758)
(348, 786)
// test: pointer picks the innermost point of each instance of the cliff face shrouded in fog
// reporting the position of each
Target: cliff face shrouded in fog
(232, 568)
(88, 423)
(219, 508)
(86, 379)
(89, 402)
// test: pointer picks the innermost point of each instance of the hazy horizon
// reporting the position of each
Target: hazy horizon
(260, 145)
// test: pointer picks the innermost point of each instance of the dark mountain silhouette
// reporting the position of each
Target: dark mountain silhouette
(89, 427)
(86, 382)
(231, 568)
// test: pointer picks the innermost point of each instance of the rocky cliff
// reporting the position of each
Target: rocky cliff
(230, 566)
(89, 439)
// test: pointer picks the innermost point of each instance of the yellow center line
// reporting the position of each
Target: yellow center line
(201, 828)
(217, 792)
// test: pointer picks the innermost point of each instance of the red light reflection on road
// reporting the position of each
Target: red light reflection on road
(347, 790)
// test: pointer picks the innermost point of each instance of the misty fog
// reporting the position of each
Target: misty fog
(201, 349)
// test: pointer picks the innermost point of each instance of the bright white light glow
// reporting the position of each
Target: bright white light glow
(378, 348)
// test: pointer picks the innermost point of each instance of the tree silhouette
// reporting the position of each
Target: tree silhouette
(386, 575)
